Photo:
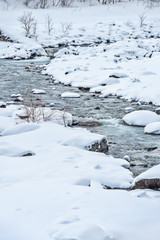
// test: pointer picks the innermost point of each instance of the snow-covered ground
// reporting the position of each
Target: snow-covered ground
(59, 192)
(51, 187)
(129, 35)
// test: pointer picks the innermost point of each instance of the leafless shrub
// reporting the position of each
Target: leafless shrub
(64, 116)
(142, 19)
(29, 24)
(152, 3)
(26, 21)
(42, 4)
(35, 29)
(49, 24)
(128, 23)
(26, 2)
(66, 27)
(34, 110)
(7, 4)
(65, 3)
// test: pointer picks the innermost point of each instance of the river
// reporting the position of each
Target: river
(23, 76)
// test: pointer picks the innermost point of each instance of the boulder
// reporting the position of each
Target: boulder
(2, 105)
(141, 118)
(149, 179)
(129, 109)
(89, 124)
(158, 110)
(99, 146)
(152, 128)
(148, 184)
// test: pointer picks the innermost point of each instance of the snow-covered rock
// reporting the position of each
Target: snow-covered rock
(152, 128)
(70, 95)
(16, 95)
(129, 109)
(140, 118)
(38, 91)
(148, 179)
(2, 105)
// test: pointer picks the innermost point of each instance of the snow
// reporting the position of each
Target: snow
(152, 128)
(152, 173)
(58, 192)
(70, 95)
(62, 192)
(38, 91)
(19, 129)
(2, 104)
(81, 231)
(39, 114)
(126, 49)
(20, 51)
(129, 109)
(141, 118)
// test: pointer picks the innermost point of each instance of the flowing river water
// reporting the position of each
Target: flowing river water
(23, 76)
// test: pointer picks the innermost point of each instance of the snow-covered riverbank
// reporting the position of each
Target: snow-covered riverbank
(51, 186)
(56, 190)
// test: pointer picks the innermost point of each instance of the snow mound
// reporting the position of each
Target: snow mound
(152, 128)
(81, 138)
(2, 105)
(5, 122)
(21, 128)
(70, 95)
(81, 231)
(140, 118)
(38, 91)
(10, 150)
(62, 118)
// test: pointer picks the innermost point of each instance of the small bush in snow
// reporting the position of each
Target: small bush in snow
(65, 3)
(29, 24)
(142, 19)
(49, 24)
(34, 110)
(66, 27)
(26, 2)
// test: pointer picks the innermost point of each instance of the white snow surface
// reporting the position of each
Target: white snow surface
(133, 53)
(57, 193)
(141, 118)
(38, 91)
(70, 95)
(152, 128)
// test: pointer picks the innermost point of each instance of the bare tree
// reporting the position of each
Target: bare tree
(66, 27)
(142, 19)
(65, 3)
(27, 22)
(26, 2)
(35, 29)
(7, 4)
(42, 4)
(49, 24)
